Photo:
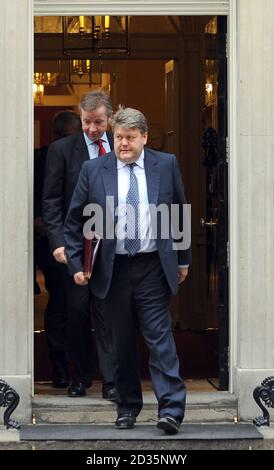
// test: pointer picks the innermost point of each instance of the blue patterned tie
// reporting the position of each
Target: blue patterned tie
(132, 245)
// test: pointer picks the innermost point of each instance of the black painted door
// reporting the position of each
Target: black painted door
(222, 189)
(216, 220)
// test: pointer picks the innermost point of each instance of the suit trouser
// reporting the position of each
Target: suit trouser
(55, 313)
(80, 338)
(138, 300)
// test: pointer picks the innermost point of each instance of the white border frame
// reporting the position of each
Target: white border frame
(130, 7)
(232, 189)
(167, 7)
(30, 191)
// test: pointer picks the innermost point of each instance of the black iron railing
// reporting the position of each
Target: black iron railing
(264, 393)
(9, 398)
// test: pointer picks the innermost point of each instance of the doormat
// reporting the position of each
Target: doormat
(90, 432)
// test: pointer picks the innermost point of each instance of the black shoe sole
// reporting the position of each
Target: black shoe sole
(124, 427)
(167, 427)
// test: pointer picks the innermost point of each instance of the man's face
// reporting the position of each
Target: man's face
(95, 123)
(128, 143)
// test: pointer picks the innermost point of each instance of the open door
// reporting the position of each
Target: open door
(171, 106)
(171, 144)
(222, 189)
(215, 221)
(196, 131)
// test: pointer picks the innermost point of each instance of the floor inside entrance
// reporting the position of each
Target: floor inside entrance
(45, 388)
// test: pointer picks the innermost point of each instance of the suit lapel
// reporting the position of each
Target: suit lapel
(109, 175)
(110, 139)
(152, 176)
(110, 179)
(80, 150)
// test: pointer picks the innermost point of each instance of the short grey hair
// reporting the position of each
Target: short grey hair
(94, 100)
(128, 118)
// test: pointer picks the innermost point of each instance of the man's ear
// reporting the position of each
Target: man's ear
(109, 118)
(145, 136)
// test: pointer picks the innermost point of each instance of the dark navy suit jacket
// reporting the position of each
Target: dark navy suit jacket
(98, 179)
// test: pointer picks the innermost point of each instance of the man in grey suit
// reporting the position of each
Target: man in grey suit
(138, 267)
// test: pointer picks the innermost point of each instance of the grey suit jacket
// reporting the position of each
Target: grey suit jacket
(98, 179)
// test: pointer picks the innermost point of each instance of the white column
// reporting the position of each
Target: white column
(15, 200)
(256, 200)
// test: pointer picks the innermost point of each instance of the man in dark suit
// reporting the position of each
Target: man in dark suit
(64, 124)
(139, 267)
(64, 161)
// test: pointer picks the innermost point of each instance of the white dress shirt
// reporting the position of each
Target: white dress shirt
(93, 149)
(123, 174)
(148, 244)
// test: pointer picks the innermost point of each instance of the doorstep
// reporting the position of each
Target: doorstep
(92, 409)
(141, 432)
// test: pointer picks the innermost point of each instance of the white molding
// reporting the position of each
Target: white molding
(30, 58)
(131, 7)
(232, 189)
(179, 7)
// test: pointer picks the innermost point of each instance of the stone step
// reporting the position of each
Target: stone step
(201, 407)
(100, 438)
(141, 432)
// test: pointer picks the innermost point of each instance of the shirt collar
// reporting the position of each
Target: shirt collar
(139, 162)
(89, 141)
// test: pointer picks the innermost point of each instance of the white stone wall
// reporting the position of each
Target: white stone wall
(255, 199)
(15, 207)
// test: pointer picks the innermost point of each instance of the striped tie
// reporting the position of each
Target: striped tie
(133, 243)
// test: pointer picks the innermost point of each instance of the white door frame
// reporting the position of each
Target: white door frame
(170, 7)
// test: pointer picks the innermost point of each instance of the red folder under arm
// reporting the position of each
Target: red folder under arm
(91, 247)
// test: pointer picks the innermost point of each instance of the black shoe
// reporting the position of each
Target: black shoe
(109, 393)
(60, 376)
(60, 382)
(125, 421)
(168, 424)
(77, 389)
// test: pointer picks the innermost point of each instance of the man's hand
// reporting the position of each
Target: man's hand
(182, 274)
(80, 279)
(59, 255)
